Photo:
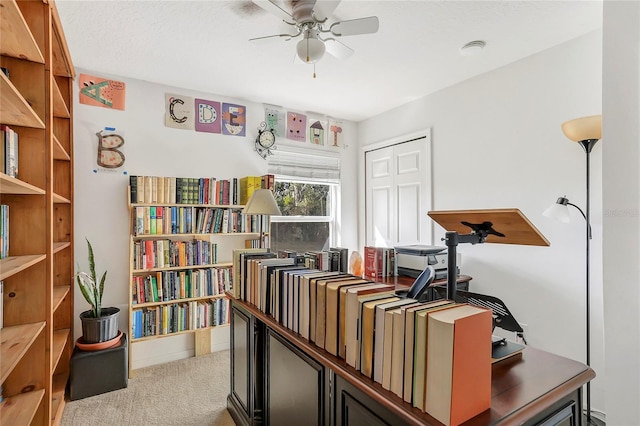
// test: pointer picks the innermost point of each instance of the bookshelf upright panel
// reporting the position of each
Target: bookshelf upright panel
(36, 269)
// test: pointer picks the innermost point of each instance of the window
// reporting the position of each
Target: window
(307, 192)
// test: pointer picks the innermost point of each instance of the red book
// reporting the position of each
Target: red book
(148, 254)
(373, 262)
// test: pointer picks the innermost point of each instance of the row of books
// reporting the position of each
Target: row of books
(149, 254)
(407, 346)
(164, 220)
(250, 183)
(169, 319)
(203, 190)
(334, 259)
(9, 151)
(164, 286)
(380, 262)
(4, 231)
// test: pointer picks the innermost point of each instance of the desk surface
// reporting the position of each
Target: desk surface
(402, 282)
(521, 386)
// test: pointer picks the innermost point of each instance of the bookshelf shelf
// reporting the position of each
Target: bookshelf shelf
(20, 409)
(213, 206)
(15, 110)
(11, 185)
(36, 101)
(159, 336)
(61, 246)
(59, 106)
(59, 293)
(13, 264)
(14, 343)
(59, 382)
(59, 199)
(179, 268)
(17, 39)
(59, 342)
(154, 236)
(171, 302)
(59, 152)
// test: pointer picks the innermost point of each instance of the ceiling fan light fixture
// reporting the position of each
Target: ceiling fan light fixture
(310, 49)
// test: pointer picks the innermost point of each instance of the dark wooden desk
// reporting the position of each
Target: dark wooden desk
(280, 378)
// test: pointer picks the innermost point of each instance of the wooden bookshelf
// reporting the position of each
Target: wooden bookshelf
(202, 335)
(36, 101)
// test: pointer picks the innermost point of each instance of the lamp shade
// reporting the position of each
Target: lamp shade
(310, 49)
(559, 212)
(262, 202)
(583, 128)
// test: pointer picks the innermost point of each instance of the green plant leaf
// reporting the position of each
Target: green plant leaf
(92, 263)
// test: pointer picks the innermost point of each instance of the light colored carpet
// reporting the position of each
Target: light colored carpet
(188, 392)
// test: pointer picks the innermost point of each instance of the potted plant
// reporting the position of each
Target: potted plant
(98, 324)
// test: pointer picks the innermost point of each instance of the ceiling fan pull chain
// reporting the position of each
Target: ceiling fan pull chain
(314, 70)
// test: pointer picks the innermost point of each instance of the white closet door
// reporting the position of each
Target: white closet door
(398, 194)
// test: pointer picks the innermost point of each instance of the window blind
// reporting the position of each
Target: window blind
(309, 164)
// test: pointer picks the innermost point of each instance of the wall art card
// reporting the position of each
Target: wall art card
(296, 126)
(101, 92)
(110, 148)
(275, 119)
(180, 111)
(335, 134)
(317, 132)
(208, 116)
(234, 119)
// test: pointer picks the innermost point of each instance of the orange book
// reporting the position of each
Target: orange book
(458, 384)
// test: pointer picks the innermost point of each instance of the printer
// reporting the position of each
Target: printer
(413, 259)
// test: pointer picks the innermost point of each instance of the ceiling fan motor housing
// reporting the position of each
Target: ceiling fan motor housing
(302, 11)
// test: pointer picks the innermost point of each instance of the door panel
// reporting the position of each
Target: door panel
(398, 194)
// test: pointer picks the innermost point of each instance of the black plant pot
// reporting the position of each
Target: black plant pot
(96, 330)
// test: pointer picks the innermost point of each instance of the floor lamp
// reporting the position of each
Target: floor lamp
(586, 131)
(262, 202)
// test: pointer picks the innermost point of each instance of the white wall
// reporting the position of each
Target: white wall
(497, 143)
(621, 203)
(150, 148)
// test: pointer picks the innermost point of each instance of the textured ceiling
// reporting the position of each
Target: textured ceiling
(203, 45)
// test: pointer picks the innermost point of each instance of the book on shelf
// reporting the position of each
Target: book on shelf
(420, 354)
(317, 303)
(367, 333)
(382, 323)
(235, 288)
(299, 277)
(458, 385)
(334, 322)
(379, 262)
(409, 342)
(339, 259)
(10, 151)
(394, 337)
(4, 231)
(354, 298)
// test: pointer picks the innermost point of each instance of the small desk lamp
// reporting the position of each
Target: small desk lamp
(586, 131)
(262, 202)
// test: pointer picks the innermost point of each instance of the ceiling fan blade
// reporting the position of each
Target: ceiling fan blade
(355, 26)
(276, 10)
(337, 49)
(287, 37)
(323, 9)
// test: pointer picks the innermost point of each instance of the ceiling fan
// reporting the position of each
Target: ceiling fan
(309, 19)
